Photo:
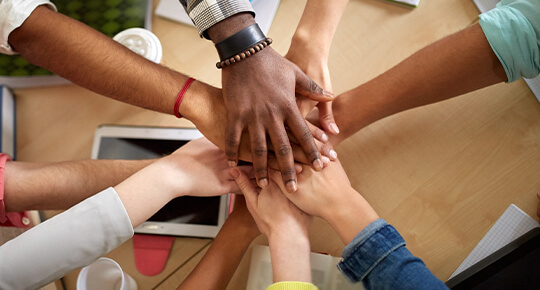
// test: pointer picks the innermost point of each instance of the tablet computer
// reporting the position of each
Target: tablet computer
(183, 216)
(514, 266)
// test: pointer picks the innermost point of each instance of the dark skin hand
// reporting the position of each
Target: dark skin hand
(260, 96)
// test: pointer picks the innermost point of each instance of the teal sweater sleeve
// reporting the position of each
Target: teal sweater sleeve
(513, 31)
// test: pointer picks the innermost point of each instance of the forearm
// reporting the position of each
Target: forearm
(349, 215)
(316, 29)
(290, 254)
(222, 258)
(30, 186)
(92, 60)
(455, 65)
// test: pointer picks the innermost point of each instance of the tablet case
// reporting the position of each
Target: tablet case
(151, 253)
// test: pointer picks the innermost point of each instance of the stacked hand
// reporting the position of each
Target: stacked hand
(259, 94)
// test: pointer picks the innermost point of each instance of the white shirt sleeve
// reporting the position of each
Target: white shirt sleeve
(70, 240)
(13, 13)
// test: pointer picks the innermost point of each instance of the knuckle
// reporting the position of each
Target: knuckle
(261, 171)
(313, 155)
(284, 150)
(306, 135)
(231, 141)
(230, 154)
(288, 173)
(260, 151)
(328, 117)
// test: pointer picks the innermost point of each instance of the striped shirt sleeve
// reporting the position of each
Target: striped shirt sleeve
(206, 13)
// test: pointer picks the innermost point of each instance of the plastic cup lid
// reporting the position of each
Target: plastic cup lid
(142, 42)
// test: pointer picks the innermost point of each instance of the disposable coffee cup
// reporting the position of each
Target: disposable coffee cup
(104, 274)
(141, 41)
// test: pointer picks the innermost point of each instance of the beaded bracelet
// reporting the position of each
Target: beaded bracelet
(245, 54)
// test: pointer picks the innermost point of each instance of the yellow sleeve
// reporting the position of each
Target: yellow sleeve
(292, 286)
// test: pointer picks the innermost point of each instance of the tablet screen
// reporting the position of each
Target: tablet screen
(184, 210)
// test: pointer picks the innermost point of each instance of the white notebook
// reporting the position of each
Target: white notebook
(511, 225)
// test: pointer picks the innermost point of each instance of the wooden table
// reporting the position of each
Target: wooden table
(442, 174)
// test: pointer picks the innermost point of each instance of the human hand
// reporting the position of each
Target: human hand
(273, 213)
(206, 109)
(258, 94)
(198, 168)
(315, 65)
(329, 195)
(284, 224)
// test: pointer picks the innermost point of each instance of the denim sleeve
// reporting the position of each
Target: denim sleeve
(513, 32)
(378, 257)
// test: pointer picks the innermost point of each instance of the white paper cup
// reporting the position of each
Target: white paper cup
(104, 274)
(142, 42)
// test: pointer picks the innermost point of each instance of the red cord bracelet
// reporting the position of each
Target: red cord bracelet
(181, 96)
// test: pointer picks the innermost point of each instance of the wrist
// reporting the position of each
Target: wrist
(244, 225)
(304, 43)
(171, 177)
(350, 216)
(290, 255)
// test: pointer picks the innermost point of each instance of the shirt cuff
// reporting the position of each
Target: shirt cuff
(362, 236)
(510, 31)
(368, 249)
(207, 13)
(13, 13)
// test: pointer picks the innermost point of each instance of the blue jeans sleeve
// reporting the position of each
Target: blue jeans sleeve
(513, 32)
(378, 257)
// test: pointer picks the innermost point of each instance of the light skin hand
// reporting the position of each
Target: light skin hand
(198, 168)
(329, 195)
(310, 48)
(259, 94)
(203, 168)
(284, 224)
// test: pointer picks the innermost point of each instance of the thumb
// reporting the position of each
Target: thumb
(244, 183)
(309, 88)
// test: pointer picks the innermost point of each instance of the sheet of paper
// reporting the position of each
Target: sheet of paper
(511, 225)
(485, 5)
(265, 10)
(534, 84)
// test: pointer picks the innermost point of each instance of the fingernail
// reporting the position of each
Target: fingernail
(232, 163)
(334, 128)
(263, 182)
(291, 186)
(333, 154)
(317, 164)
(298, 168)
(324, 137)
(325, 160)
(234, 173)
